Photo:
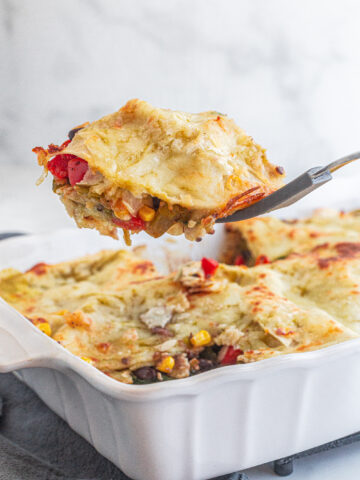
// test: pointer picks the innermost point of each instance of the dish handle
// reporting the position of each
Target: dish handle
(22, 345)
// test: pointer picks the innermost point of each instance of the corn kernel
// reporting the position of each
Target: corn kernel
(61, 312)
(201, 338)
(87, 360)
(146, 213)
(45, 328)
(166, 364)
(121, 211)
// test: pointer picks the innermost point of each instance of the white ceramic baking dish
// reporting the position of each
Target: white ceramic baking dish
(197, 428)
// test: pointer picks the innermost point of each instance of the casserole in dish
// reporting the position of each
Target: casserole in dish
(195, 428)
(116, 312)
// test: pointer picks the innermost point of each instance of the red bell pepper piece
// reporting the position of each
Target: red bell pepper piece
(209, 266)
(77, 167)
(135, 224)
(239, 260)
(58, 166)
(68, 166)
(231, 356)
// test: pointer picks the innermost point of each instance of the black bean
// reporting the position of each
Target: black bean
(216, 348)
(205, 364)
(209, 353)
(99, 207)
(72, 132)
(145, 373)
(156, 203)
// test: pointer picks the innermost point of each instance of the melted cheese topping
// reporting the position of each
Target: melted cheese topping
(277, 238)
(198, 161)
(47, 291)
(113, 309)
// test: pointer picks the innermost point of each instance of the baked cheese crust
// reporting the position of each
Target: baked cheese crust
(114, 310)
(275, 238)
(47, 291)
(188, 169)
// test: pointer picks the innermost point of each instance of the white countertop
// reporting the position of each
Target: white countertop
(25, 207)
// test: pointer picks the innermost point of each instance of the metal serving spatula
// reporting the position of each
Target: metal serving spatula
(292, 192)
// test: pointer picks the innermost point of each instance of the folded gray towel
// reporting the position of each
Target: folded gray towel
(16, 463)
(36, 444)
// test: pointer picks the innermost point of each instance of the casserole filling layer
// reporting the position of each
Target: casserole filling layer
(94, 202)
(114, 311)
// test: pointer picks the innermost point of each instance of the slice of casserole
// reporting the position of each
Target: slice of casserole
(148, 169)
(263, 239)
(203, 316)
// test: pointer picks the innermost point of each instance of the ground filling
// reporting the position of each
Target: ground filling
(94, 202)
(205, 315)
(187, 364)
(196, 352)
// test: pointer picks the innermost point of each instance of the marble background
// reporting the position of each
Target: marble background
(288, 71)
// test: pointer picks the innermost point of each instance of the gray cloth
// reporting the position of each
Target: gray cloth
(36, 444)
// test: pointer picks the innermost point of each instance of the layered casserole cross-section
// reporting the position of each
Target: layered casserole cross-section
(149, 169)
